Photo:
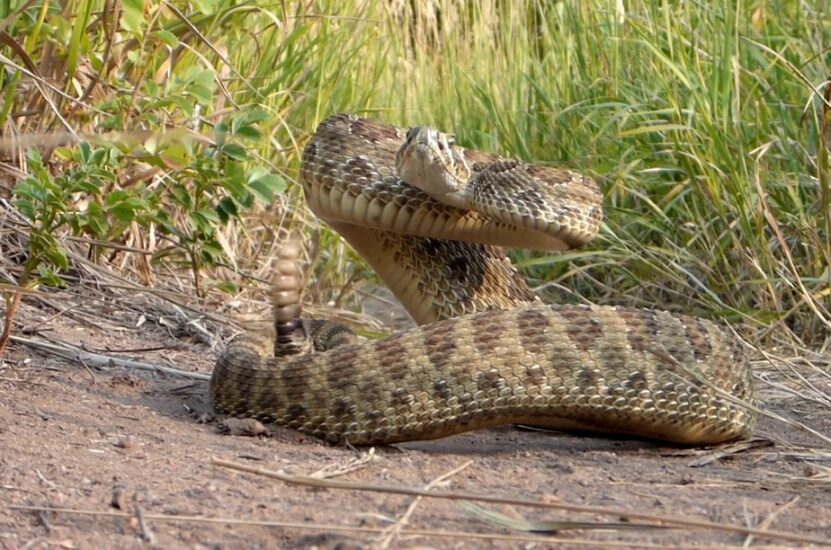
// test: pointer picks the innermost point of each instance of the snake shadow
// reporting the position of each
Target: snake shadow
(512, 439)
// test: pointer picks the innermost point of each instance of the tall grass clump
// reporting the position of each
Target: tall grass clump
(702, 121)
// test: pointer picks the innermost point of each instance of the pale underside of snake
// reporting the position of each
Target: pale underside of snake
(488, 352)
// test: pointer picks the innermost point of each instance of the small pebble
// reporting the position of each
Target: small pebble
(243, 426)
(127, 443)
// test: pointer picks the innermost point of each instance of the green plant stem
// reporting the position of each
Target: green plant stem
(13, 305)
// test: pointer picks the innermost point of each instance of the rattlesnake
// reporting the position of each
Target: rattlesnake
(488, 351)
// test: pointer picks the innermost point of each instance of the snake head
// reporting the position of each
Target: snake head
(431, 161)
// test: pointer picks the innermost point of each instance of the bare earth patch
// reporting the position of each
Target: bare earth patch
(115, 441)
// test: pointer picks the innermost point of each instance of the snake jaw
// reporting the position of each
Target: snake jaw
(430, 161)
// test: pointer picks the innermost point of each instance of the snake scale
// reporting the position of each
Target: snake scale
(488, 352)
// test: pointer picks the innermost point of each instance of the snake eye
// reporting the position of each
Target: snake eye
(446, 141)
(411, 133)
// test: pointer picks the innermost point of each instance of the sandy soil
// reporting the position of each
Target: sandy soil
(120, 441)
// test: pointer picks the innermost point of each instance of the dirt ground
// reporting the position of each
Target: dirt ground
(113, 440)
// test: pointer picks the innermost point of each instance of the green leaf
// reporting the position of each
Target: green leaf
(181, 196)
(227, 287)
(202, 94)
(207, 7)
(211, 251)
(56, 255)
(235, 174)
(654, 128)
(96, 219)
(201, 86)
(99, 157)
(48, 276)
(132, 18)
(175, 156)
(34, 159)
(255, 115)
(220, 133)
(227, 209)
(236, 152)
(111, 122)
(116, 196)
(123, 213)
(248, 132)
(167, 37)
(264, 185)
(204, 221)
(83, 152)
(125, 208)
(26, 207)
(242, 123)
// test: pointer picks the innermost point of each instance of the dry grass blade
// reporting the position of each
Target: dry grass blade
(768, 521)
(795, 273)
(343, 468)
(728, 450)
(397, 528)
(460, 495)
(324, 527)
(497, 519)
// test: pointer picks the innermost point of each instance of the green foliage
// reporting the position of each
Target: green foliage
(45, 200)
(210, 183)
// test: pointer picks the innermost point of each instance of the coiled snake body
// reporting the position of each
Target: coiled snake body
(488, 352)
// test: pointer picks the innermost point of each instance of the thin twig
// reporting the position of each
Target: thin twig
(74, 353)
(460, 495)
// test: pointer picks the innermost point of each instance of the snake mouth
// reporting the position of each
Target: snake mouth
(430, 161)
